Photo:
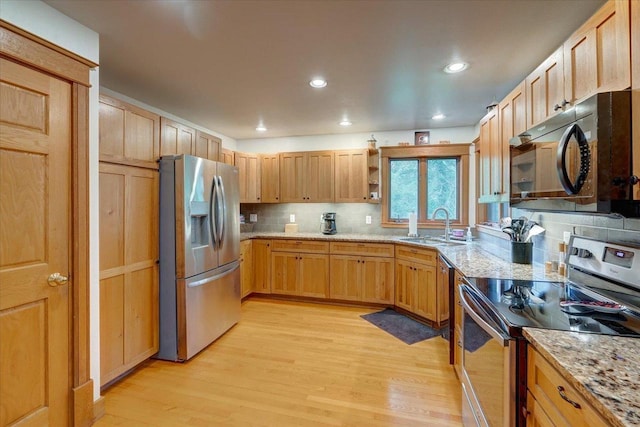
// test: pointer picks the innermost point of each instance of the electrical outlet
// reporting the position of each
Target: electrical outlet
(292, 218)
(367, 219)
(253, 217)
(321, 218)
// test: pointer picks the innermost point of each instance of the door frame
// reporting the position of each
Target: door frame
(34, 52)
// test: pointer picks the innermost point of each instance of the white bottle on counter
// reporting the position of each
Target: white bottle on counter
(469, 235)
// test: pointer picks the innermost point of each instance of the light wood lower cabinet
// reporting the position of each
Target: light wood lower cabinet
(246, 268)
(300, 274)
(261, 249)
(552, 400)
(416, 282)
(128, 268)
(363, 279)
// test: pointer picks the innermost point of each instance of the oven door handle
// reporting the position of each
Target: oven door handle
(483, 323)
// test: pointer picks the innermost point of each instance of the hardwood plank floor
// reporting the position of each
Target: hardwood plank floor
(294, 364)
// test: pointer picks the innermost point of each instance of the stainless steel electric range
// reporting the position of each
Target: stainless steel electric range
(601, 296)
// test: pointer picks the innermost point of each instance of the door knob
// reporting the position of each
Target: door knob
(56, 279)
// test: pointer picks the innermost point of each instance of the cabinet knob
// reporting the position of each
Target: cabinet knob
(565, 102)
(276, 197)
(525, 413)
(557, 107)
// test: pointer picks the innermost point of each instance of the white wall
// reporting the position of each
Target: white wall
(351, 140)
(44, 21)
(227, 142)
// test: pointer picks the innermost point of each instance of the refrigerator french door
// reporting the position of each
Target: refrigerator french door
(199, 251)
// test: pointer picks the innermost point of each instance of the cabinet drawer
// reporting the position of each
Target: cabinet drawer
(548, 387)
(362, 249)
(424, 256)
(308, 246)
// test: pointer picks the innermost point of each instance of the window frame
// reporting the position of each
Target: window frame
(422, 153)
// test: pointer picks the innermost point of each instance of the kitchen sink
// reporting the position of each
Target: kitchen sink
(434, 241)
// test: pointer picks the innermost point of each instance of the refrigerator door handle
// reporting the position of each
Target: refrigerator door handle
(223, 215)
(212, 222)
(228, 269)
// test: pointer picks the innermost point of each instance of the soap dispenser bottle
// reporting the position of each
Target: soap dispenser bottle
(469, 235)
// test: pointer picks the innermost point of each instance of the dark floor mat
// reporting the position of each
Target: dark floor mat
(402, 327)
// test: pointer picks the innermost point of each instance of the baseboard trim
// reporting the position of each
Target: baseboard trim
(98, 408)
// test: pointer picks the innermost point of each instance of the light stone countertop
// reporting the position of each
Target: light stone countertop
(468, 258)
(605, 369)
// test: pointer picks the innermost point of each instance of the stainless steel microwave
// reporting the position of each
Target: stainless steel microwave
(577, 161)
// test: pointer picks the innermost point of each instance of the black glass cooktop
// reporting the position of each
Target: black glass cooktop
(555, 305)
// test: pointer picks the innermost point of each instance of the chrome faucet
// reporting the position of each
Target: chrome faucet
(446, 221)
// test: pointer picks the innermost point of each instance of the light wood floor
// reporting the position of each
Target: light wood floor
(295, 364)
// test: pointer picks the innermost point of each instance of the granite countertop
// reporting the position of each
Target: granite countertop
(605, 369)
(468, 258)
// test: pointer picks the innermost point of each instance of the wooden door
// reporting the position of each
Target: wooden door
(207, 146)
(128, 134)
(320, 177)
(261, 266)
(346, 279)
(270, 178)
(404, 284)
(35, 209)
(545, 89)
(424, 291)
(313, 279)
(249, 176)
(597, 56)
(635, 94)
(293, 174)
(246, 268)
(351, 175)
(284, 273)
(176, 138)
(377, 280)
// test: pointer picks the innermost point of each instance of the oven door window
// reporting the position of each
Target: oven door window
(485, 363)
(559, 164)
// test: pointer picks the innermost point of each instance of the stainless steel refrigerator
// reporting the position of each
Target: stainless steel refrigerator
(199, 251)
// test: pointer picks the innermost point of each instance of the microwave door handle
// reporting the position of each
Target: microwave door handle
(212, 222)
(497, 335)
(221, 211)
(561, 159)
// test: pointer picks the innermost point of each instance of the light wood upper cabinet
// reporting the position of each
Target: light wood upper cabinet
(597, 55)
(207, 146)
(270, 182)
(491, 158)
(635, 84)
(176, 138)
(249, 167)
(128, 268)
(128, 134)
(512, 122)
(545, 89)
(307, 176)
(227, 156)
(351, 175)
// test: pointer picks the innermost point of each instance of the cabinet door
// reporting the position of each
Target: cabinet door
(246, 268)
(377, 280)
(442, 292)
(597, 55)
(176, 138)
(128, 134)
(536, 417)
(485, 158)
(227, 156)
(404, 284)
(292, 177)
(284, 273)
(351, 170)
(512, 122)
(545, 89)
(346, 279)
(261, 266)
(635, 85)
(313, 279)
(207, 146)
(320, 177)
(424, 292)
(270, 182)
(249, 176)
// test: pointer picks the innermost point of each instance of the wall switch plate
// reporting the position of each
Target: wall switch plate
(292, 218)
(253, 217)
(367, 219)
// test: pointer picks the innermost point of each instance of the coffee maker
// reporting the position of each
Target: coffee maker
(328, 223)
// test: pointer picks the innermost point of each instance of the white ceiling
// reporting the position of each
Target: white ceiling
(228, 65)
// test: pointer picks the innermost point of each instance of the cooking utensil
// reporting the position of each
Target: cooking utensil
(534, 231)
(509, 231)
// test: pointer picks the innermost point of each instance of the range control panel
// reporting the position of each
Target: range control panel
(618, 262)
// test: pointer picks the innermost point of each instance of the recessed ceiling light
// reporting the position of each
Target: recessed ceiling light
(318, 83)
(455, 67)
(345, 123)
(261, 128)
(438, 116)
